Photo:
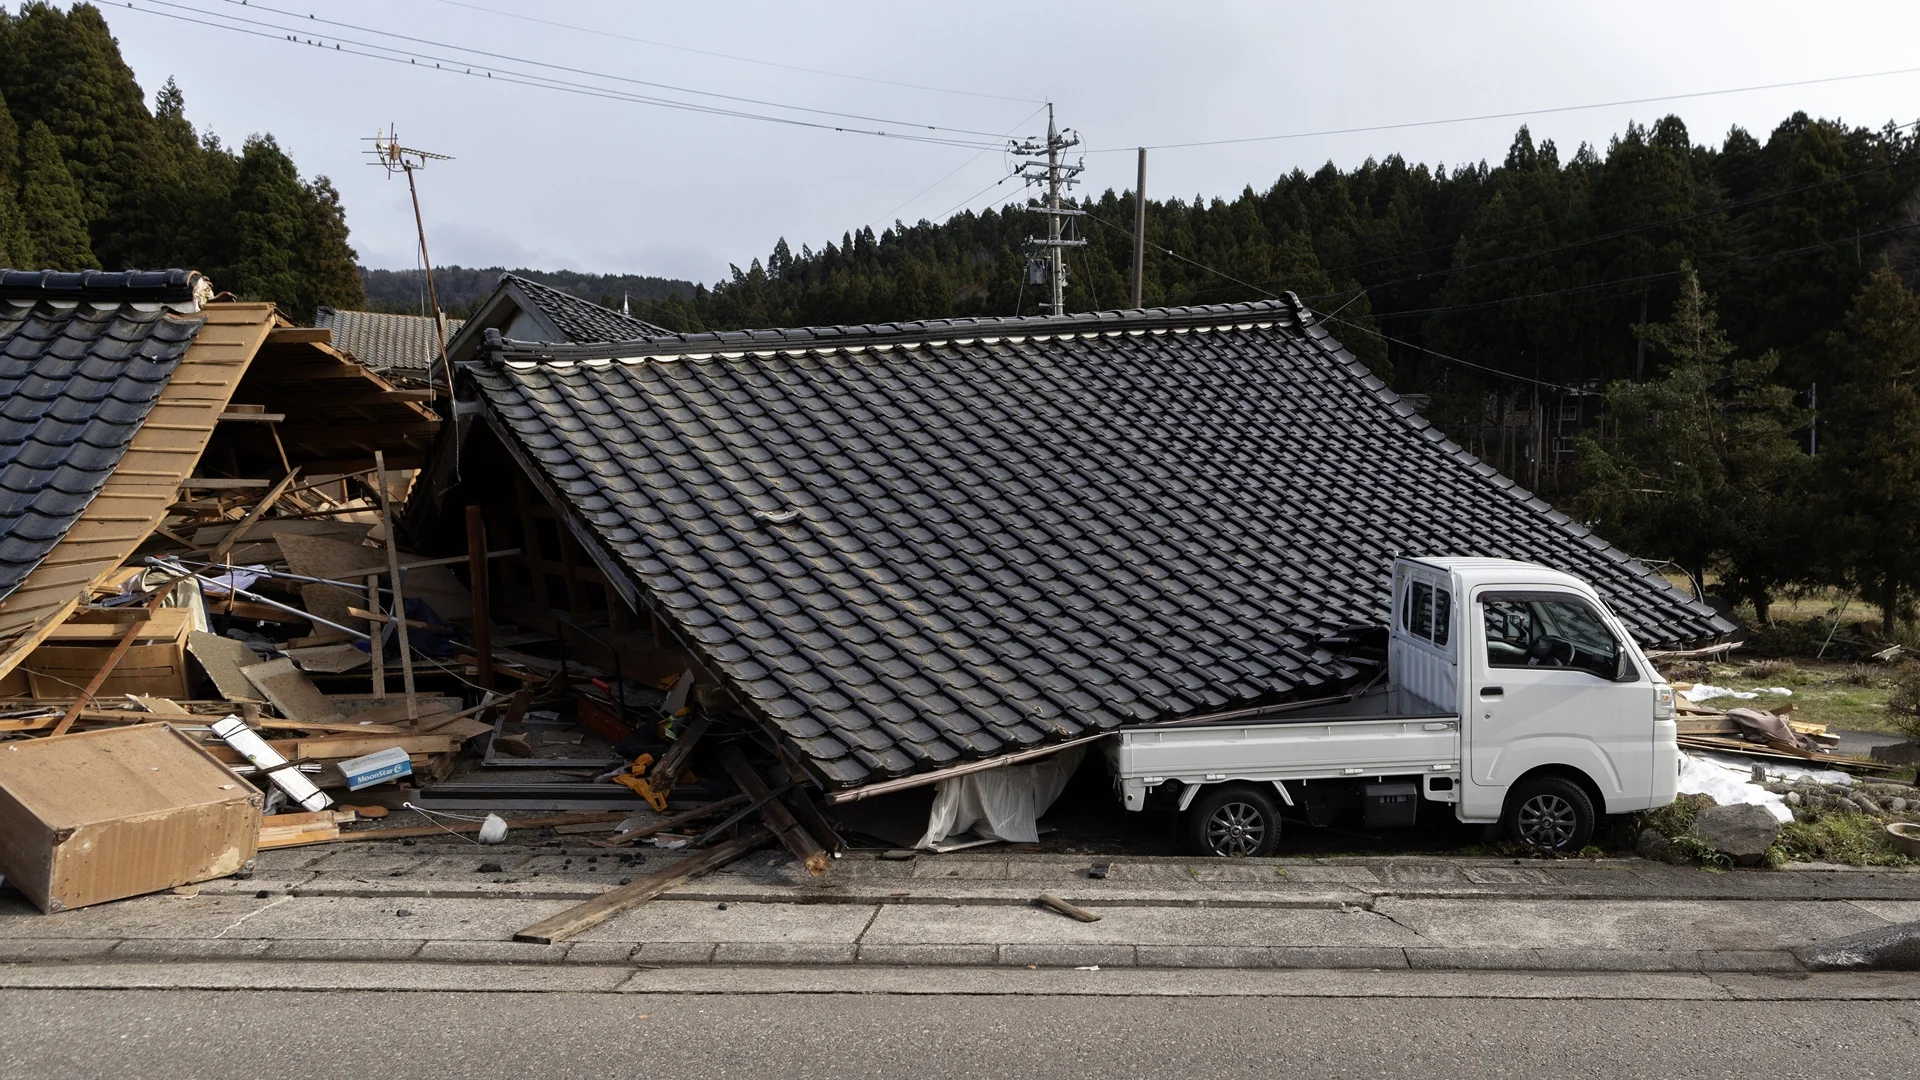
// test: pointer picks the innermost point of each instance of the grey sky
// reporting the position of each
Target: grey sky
(558, 180)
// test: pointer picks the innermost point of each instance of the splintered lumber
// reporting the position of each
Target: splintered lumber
(1064, 908)
(674, 822)
(113, 660)
(797, 840)
(640, 890)
(399, 585)
(259, 510)
(293, 830)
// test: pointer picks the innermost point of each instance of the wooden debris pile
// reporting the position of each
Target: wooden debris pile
(1764, 734)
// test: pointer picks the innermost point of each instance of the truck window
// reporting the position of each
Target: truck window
(1535, 630)
(1427, 611)
(1442, 615)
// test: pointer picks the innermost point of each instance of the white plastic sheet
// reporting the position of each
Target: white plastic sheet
(1705, 691)
(1729, 780)
(1000, 804)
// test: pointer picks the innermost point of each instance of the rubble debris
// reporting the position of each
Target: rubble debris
(235, 733)
(101, 815)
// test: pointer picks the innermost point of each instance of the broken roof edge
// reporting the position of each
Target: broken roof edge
(1323, 339)
(497, 349)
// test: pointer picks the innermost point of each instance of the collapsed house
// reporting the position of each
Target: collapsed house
(910, 552)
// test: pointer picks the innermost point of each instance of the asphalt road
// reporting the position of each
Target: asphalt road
(290, 1036)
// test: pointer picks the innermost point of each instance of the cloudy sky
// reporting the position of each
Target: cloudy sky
(590, 177)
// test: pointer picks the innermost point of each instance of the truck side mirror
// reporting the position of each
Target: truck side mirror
(1625, 671)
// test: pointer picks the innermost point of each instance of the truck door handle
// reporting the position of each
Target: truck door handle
(1492, 691)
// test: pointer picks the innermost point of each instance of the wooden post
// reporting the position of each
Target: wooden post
(477, 570)
(399, 590)
(379, 638)
(778, 818)
(1140, 229)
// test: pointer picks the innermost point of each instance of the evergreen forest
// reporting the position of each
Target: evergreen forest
(92, 178)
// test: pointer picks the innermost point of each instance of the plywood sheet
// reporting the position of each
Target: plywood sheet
(290, 691)
(329, 659)
(316, 556)
(224, 660)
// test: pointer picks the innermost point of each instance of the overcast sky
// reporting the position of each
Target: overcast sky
(550, 179)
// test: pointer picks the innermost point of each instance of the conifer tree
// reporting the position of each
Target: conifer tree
(15, 250)
(1870, 448)
(51, 208)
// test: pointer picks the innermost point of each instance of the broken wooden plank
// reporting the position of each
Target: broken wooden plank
(113, 659)
(259, 510)
(546, 822)
(640, 890)
(1064, 908)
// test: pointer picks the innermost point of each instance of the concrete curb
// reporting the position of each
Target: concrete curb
(800, 954)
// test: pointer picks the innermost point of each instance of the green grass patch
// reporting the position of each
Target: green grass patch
(1849, 838)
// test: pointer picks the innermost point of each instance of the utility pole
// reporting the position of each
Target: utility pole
(1140, 229)
(391, 156)
(1057, 176)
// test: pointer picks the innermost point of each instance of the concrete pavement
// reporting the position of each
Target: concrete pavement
(449, 902)
(1472, 1025)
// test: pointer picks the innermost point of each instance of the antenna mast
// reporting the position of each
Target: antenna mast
(391, 156)
(1057, 176)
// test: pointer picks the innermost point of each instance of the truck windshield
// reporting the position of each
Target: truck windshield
(1536, 630)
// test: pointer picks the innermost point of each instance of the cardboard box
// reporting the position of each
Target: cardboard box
(102, 815)
(155, 664)
(376, 768)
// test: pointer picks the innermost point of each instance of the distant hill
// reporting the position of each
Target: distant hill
(461, 288)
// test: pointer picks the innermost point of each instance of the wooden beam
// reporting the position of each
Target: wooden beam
(300, 335)
(640, 890)
(259, 510)
(261, 417)
(477, 587)
(415, 832)
(451, 560)
(674, 822)
(377, 643)
(399, 583)
(778, 818)
(211, 483)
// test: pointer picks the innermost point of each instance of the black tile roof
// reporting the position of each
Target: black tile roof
(81, 364)
(583, 320)
(906, 546)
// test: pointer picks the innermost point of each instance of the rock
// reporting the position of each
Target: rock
(1898, 806)
(1871, 805)
(1841, 802)
(1793, 798)
(1741, 832)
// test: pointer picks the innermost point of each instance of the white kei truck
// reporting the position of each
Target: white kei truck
(1509, 691)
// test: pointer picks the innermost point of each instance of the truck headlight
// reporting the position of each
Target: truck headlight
(1663, 702)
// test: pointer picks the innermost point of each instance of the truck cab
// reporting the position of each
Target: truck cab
(1511, 692)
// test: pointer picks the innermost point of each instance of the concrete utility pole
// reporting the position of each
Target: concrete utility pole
(1140, 229)
(1058, 177)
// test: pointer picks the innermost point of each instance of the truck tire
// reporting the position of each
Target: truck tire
(1551, 813)
(1231, 821)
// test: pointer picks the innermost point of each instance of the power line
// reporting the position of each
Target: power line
(731, 56)
(1514, 114)
(956, 169)
(1365, 329)
(500, 75)
(541, 64)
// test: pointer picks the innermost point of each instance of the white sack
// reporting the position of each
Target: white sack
(1000, 804)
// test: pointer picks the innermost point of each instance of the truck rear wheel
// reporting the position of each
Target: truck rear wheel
(1551, 813)
(1231, 821)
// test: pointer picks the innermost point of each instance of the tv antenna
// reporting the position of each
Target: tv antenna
(391, 156)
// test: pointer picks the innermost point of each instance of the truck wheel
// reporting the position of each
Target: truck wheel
(1231, 821)
(1551, 813)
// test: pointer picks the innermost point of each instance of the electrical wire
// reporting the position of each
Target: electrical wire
(601, 33)
(1365, 329)
(500, 75)
(543, 64)
(956, 169)
(1513, 114)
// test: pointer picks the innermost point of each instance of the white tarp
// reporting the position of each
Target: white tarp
(1730, 780)
(1700, 692)
(1000, 804)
